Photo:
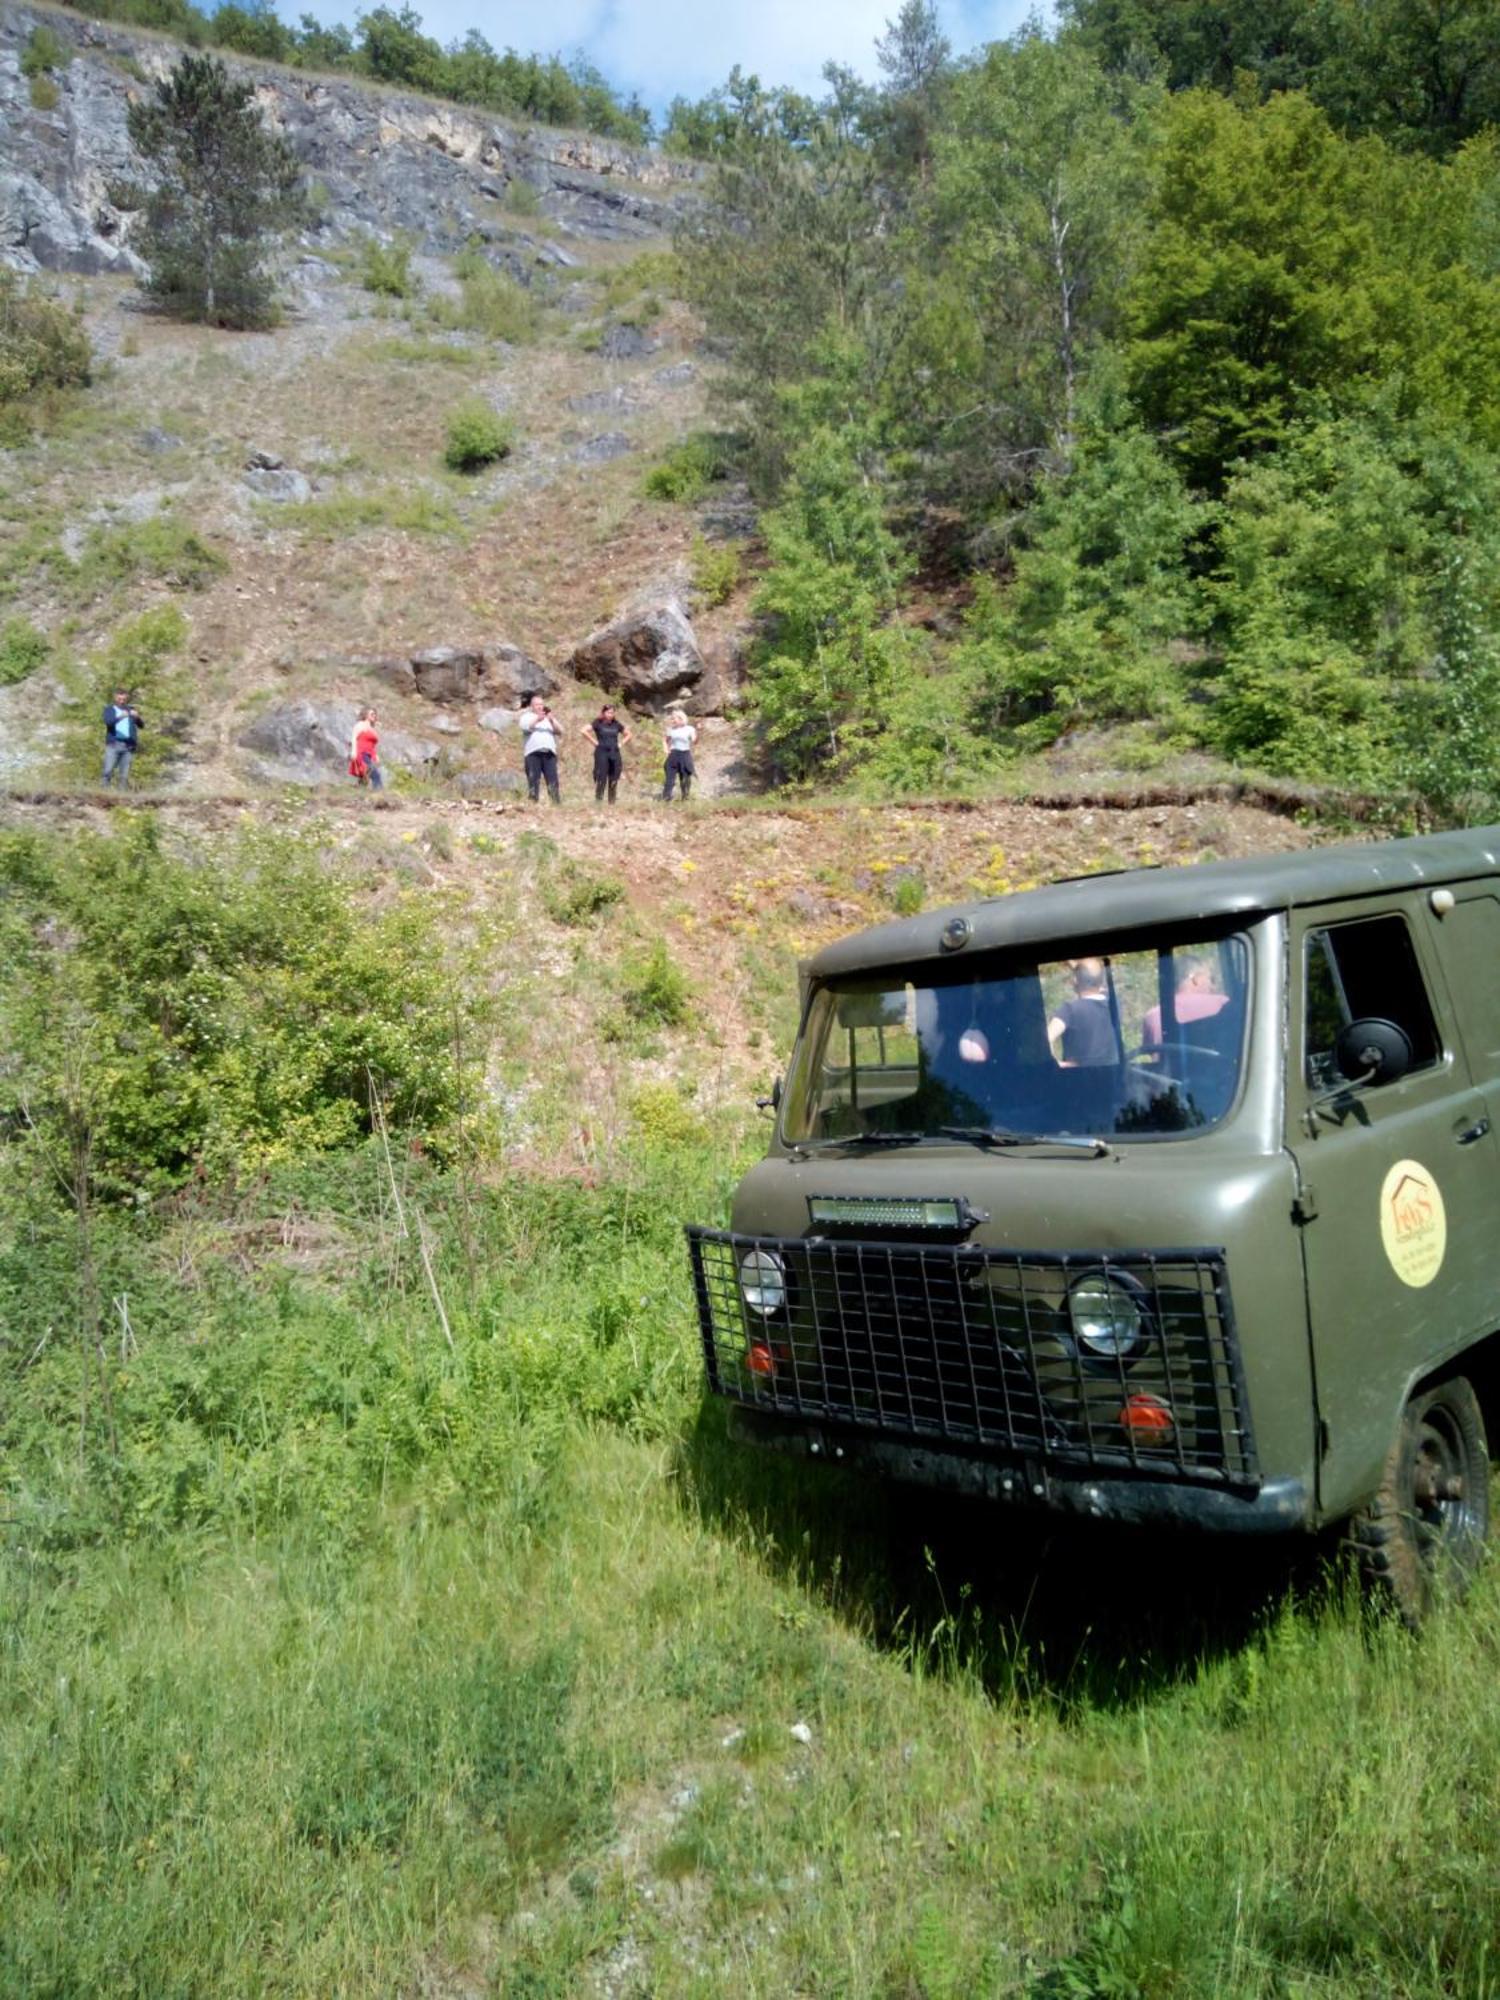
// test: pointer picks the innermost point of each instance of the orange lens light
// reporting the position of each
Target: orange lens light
(760, 1359)
(1146, 1413)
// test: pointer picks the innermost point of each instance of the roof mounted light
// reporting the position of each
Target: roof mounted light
(955, 934)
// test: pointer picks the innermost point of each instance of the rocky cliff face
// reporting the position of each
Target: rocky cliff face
(378, 161)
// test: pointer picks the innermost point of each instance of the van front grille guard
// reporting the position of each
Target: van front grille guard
(976, 1348)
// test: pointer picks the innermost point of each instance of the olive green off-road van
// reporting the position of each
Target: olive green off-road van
(1167, 1196)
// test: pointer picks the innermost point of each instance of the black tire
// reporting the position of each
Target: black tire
(1421, 1538)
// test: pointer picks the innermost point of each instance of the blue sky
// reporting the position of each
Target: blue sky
(664, 48)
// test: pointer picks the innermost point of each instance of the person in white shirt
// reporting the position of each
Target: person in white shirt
(677, 740)
(540, 730)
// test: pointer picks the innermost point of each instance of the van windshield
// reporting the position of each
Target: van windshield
(1124, 1044)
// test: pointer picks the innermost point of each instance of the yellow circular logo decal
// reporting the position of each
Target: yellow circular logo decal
(1413, 1223)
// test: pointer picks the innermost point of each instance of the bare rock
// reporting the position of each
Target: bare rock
(626, 343)
(600, 450)
(499, 721)
(452, 674)
(279, 483)
(307, 742)
(594, 401)
(649, 658)
(448, 673)
(264, 461)
(509, 671)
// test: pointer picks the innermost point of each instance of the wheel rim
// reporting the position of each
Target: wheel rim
(1442, 1507)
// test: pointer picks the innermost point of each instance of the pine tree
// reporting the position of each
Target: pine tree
(222, 189)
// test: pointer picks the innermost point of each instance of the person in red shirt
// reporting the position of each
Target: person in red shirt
(364, 752)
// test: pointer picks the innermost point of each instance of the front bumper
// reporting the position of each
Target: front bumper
(1275, 1507)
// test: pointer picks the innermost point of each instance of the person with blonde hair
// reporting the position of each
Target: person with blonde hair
(540, 730)
(678, 739)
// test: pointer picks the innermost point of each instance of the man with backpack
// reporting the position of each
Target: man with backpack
(122, 735)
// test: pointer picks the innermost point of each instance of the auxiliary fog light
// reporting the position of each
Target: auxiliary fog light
(763, 1282)
(1107, 1316)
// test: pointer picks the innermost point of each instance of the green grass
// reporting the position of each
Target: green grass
(408, 510)
(350, 1646)
(490, 303)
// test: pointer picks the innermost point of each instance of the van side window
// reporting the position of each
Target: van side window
(1359, 970)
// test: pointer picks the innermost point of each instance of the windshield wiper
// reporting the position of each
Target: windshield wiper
(861, 1139)
(999, 1137)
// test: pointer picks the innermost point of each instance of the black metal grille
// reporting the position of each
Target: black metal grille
(976, 1347)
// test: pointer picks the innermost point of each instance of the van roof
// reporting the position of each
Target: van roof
(1143, 898)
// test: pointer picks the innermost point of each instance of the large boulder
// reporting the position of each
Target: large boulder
(307, 742)
(649, 659)
(476, 673)
(509, 671)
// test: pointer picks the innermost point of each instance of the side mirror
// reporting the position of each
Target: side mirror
(1372, 1051)
(773, 1102)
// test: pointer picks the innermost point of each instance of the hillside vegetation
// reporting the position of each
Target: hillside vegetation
(1078, 456)
(1182, 355)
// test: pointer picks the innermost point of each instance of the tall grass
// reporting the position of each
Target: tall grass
(415, 1627)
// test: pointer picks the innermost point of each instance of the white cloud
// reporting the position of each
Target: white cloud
(663, 48)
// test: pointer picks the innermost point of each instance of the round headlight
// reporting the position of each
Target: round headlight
(1106, 1315)
(763, 1281)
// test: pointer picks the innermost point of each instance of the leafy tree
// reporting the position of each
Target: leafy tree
(1421, 73)
(1424, 74)
(916, 62)
(254, 30)
(1197, 44)
(1285, 263)
(222, 189)
(1357, 604)
(1103, 589)
(392, 48)
(789, 262)
(1039, 177)
(826, 670)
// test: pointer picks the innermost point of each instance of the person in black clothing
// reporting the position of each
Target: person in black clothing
(1082, 1031)
(607, 734)
(122, 735)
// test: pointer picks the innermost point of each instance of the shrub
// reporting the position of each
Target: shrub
(162, 546)
(687, 471)
(907, 893)
(577, 895)
(386, 268)
(654, 992)
(477, 437)
(44, 52)
(42, 345)
(22, 650)
(521, 198)
(490, 303)
(715, 568)
(234, 1004)
(45, 95)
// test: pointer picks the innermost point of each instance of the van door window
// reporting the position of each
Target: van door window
(1359, 970)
